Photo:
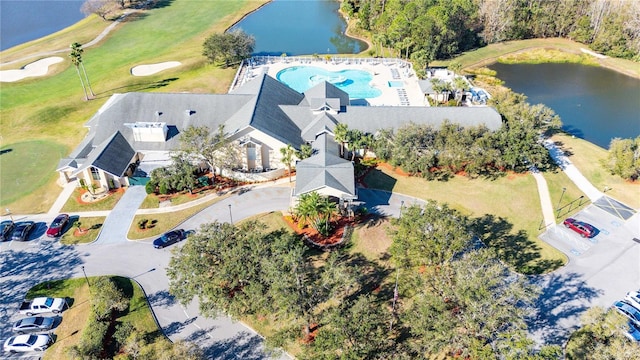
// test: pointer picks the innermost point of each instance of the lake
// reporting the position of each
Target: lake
(299, 27)
(594, 103)
(22, 21)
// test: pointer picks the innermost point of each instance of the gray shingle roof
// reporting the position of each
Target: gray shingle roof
(325, 169)
(373, 118)
(325, 90)
(112, 156)
(322, 122)
(263, 104)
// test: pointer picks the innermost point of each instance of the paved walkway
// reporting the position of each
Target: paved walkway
(572, 172)
(545, 198)
(116, 226)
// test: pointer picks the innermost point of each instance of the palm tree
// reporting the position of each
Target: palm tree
(459, 84)
(326, 210)
(305, 151)
(76, 59)
(306, 211)
(341, 130)
(287, 156)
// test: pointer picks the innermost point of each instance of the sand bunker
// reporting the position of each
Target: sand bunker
(145, 70)
(36, 68)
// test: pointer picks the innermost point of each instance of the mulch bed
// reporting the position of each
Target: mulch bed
(109, 193)
(315, 238)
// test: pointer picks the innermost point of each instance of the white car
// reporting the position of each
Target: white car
(24, 343)
(633, 298)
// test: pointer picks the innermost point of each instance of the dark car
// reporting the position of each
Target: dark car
(6, 229)
(582, 228)
(33, 324)
(22, 230)
(57, 226)
(169, 238)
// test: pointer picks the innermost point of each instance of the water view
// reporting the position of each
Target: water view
(301, 27)
(22, 21)
(594, 103)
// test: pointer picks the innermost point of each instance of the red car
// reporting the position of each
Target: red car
(582, 228)
(57, 226)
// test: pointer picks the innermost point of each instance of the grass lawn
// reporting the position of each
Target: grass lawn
(166, 221)
(506, 210)
(69, 332)
(492, 53)
(92, 226)
(53, 107)
(27, 166)
(75, 204)
(273, 220)
(587, 157)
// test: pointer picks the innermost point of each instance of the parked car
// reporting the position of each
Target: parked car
(22, 230)
(41, 305)
(169, 238)
(33, 324)
(632, 333)
(57, 225)
(6, 229)
(629, 311)
(633, 298)
(582, 228)
(24, 343)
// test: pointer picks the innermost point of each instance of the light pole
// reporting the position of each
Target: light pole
(86, 278)
(401, 207)
(230, 216)
(9, 213)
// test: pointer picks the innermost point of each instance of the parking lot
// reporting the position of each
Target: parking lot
(600, 270)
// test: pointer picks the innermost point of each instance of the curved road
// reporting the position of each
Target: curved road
(26, 264)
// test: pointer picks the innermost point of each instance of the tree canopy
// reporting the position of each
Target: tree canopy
(623, 158)
(425, 30)
(229, 48)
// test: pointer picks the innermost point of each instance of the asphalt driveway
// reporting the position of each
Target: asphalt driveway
(600, 271)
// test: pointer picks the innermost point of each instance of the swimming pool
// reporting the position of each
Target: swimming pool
(353, 82)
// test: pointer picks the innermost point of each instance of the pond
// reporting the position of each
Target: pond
(22, 21)
(300, 27)
(594, 103)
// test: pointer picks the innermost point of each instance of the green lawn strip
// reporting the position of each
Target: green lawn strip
(74, 204)
(179, 199)
(505, 210)
(588, 157)
(139, 312)
(92, 225)
(570, 202)
(83, 31)
(273, 220)
(166, 221)
(27, 166)
(152, 201)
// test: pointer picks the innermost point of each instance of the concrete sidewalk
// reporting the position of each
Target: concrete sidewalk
(545, 198)
(572, 172)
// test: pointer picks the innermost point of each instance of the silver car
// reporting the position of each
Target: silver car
(24, 343)
(33, 324)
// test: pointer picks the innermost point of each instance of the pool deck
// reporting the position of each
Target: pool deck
(383, 71)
